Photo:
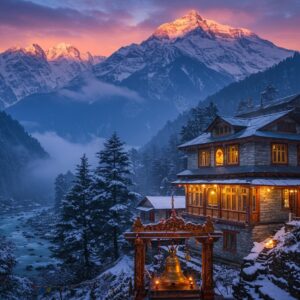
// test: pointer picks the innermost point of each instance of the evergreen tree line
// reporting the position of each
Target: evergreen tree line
(155, 167)
(95, 211)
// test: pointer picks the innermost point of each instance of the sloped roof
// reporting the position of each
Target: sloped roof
(164, 202)
(252, 127)
(274, 103)
(250, 181)
(253, 169)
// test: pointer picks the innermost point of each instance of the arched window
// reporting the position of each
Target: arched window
(219, 157)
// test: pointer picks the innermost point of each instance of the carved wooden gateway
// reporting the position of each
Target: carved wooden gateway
(172, 229)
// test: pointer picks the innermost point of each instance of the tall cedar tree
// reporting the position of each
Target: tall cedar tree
(76, 244)
(113, 173)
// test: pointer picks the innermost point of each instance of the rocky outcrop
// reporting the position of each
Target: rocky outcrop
(272, 273)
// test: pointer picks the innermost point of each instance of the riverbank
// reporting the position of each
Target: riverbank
(32, 248)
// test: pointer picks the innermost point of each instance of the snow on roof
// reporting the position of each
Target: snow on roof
(251, 181)
(275, 102)
(164, 202)
(235, 121)
(253, 125)
(144, 208)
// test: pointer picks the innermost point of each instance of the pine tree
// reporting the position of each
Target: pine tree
(114, 172)
(63, 184)
(200, 118)
(75, 239)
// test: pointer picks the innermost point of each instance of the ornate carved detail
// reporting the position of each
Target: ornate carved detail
(174, 223)
(138, 225)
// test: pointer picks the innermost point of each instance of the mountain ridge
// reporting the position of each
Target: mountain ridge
(29, 70)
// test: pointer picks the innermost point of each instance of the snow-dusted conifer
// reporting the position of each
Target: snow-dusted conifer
(113, 173)
(76, 244)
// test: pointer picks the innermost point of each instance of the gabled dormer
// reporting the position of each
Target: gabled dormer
(225, 126)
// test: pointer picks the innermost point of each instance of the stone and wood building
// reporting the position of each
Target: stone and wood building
(244, 172)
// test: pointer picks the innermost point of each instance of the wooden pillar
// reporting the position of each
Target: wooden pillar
(207, 288)
(249, 206)
(139, 268)
(219, 195)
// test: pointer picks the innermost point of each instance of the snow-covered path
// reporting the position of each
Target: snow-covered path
(31, 250)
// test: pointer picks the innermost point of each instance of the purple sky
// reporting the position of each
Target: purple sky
(103, 26)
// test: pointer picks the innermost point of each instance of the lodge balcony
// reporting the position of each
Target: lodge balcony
(241, 204)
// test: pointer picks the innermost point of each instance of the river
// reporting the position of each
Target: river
(31, 251)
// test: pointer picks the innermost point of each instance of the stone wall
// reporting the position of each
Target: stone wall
(271, 205)
(192, 159)
(251, 153)
(293, 155)
(247, 154)
(262, 153)
(246, 236)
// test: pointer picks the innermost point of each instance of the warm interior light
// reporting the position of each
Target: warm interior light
(215, 185)
(156, 282)
(269, 244)
(268, 190)
(212, 192)
(190, 279)
(203, 185)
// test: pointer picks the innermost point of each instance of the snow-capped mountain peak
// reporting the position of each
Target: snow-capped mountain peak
(193, 20)
(35, 50)
(24, 71)
(63, 50)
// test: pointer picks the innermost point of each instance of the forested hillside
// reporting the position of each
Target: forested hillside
(17, 149)
(285, 77)
(160, 160)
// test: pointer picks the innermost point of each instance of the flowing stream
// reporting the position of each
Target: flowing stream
(31, 251)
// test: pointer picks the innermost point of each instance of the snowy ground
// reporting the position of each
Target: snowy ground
(32, 251)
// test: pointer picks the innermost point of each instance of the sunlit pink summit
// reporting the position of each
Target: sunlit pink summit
(192, 21)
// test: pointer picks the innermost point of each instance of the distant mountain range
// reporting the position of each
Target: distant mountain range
(139, 87)
(30, 70)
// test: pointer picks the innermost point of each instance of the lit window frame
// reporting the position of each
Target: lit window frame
(229, 154)
(207, 154)
(276, 154)
(223, 151)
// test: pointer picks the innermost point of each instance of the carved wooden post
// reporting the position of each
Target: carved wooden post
(207, 269)
(139, 267)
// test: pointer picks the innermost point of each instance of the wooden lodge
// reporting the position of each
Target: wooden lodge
(244, 172)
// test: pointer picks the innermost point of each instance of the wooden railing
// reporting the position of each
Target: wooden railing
(216, 212)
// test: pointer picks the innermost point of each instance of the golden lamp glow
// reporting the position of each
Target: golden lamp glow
(270, 244)
(268, 190)
(212, 192)
(156, 282)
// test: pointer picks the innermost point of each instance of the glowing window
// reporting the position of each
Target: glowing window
(212, 197)
(279, 154)
(232, 154)
(286, 198)
(219, 157)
